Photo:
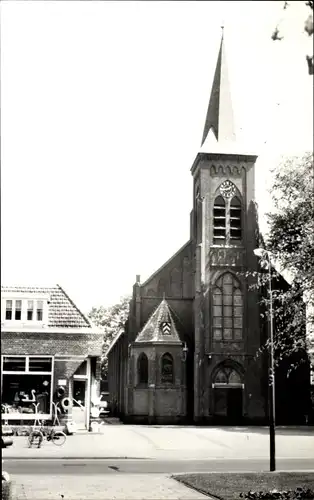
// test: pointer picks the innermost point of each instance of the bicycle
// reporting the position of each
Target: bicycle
(37, 436)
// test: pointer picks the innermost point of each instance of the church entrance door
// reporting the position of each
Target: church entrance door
(234, 405)
(228, 396)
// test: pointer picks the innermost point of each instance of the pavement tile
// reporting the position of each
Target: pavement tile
(107, 487)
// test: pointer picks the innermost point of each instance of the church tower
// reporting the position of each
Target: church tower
(227, 377)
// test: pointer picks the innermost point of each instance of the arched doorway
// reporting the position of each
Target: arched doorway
(227, 385)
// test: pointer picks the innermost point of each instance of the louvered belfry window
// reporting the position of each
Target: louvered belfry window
(219, 220)
(235, 219)
(227, 216)
(227, 309)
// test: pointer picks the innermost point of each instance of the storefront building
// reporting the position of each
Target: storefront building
(50, 357)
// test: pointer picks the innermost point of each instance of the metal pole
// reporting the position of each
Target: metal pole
(271, 380)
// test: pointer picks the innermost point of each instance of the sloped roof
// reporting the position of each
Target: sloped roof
(161, 326)
(62, 312)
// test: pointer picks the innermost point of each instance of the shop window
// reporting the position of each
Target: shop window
(167, 372)
(142, 368)
(14, 364)
(227, 309)
(26, 385)
(40, 364)
(8, 309)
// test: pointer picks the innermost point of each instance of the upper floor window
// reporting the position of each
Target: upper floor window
(142, 369)
(40, 309)
(8, 309)
(25, 310)
(167, 375)
(227, 309)
(30, 310)
(227, 216)
(18, 310)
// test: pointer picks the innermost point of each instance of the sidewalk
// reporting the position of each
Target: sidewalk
(107, 487)
(167, 443)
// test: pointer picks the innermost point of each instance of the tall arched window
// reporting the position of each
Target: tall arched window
(167, 372)
(235, 219)
(219, 220)
(227, 309)
(198, 216)
(142, 369)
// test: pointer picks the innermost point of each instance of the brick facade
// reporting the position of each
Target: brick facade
(63, 335)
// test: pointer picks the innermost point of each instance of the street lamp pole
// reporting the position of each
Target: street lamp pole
(259, 252)
(272, 447)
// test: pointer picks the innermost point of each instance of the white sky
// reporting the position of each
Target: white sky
(103, 108)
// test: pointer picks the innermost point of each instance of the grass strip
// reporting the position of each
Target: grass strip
(229, 485)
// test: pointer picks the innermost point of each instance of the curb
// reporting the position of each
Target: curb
(22, 459)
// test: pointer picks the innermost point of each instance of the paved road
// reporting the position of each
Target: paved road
(101, 466)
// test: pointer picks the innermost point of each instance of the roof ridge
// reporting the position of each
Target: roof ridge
(166, 263)
(172, 311)
(74, 305)
(149, 318)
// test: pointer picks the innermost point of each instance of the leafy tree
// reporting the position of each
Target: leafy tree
(291, 245)
(111, 319)
(308, 28)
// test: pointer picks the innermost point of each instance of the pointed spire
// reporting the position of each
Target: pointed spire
(219, 118)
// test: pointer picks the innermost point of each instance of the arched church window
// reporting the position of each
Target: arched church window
(235, 219)
(167, 372)
(198, 215)
(142, 369)
(227, 309)
(219, 220)
(227, 376)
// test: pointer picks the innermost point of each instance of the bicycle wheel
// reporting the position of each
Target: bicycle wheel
(58, 438)
(35, 437)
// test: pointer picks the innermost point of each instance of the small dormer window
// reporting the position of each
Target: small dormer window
(30, 310)
(8, 309)
(18, 310)
(26, 311)
(40, 309)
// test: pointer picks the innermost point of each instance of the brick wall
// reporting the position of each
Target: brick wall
(50, 343)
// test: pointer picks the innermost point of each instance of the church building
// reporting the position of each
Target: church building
(188, 350)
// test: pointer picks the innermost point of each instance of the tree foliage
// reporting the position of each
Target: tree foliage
(308, 28)
(111, 319)
(290, 243)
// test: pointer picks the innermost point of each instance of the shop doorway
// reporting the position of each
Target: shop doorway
(79, 403)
